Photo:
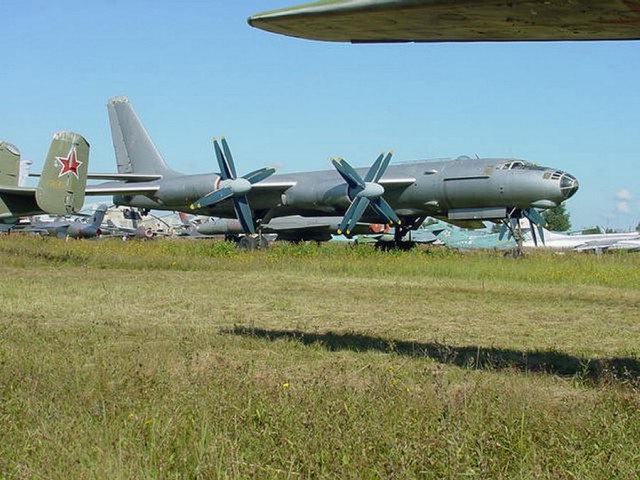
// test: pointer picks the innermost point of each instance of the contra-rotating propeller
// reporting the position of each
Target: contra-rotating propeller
(365, 192)
(536, 221)
(233, 187)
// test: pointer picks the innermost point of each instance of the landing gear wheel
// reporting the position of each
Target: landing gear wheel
(247, 243)
(262, 243)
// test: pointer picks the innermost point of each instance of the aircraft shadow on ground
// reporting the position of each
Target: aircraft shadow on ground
(619, 370)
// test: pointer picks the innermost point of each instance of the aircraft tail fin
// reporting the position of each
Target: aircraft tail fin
(184, 219)
(135, 151)
(64, 176)
(98, 215)
(9, 165)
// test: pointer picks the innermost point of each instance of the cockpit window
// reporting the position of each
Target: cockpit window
(516, 164)
(519, 165)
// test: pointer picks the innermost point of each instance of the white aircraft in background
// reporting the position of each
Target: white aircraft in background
(597, 242)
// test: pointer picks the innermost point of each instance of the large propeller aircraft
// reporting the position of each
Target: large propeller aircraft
(462, 191)
(60, 190)
(370, 21)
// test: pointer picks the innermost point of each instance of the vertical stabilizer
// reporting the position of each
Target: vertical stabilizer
(24, 169)
(98, 215)
(135, 151)
(64, 177)
(9, 165)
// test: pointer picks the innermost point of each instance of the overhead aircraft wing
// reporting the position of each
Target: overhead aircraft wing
(455, 20)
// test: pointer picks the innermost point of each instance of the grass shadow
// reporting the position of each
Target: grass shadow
(624, 370)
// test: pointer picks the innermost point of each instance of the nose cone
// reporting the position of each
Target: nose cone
(568, 185)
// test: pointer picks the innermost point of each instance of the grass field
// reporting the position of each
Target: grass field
(189, 359)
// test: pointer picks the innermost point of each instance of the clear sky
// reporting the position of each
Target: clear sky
(195, 69)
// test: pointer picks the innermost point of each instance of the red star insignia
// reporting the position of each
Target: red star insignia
(69, 164)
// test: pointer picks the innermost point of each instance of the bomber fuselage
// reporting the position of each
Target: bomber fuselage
(462, 188)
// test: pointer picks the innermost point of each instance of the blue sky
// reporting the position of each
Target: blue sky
(195, 69)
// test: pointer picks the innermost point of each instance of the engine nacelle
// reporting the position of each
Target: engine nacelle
(323, 197)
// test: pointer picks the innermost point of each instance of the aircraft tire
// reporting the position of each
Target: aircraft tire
(247, 243)
(262, 243)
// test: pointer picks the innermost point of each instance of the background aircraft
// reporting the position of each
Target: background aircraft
(70, 228)
(455, 20)
(595, 242)
(81, 228)
(460, 190)
(293, 228)
(61, 186)
(464, 239)
(135, 230)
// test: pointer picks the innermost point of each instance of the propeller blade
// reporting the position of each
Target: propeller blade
(378, 168)
(541, 233)
(373, 170)
(533, 233)
(503, 230)
(382, 207)
(353, 214)
(227, 171)
(535, 216)
(227, 154)
(243, 212)
(259, 175)
(347, 172)
(513, 224)
(212, 198)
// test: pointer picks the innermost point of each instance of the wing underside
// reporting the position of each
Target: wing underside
(455, 20)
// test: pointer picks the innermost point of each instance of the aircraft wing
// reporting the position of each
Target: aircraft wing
(397, 182)
(24, 191)
(125, 177)
(370, 21)
(121, 188)
(613, 244)
(273, 185)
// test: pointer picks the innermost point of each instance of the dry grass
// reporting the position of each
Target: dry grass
(174, 360)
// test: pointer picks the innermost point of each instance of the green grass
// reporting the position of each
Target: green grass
(181, 359)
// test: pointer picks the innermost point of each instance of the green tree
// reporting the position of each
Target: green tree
(557, 218)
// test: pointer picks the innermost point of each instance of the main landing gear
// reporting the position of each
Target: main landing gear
(248, 242)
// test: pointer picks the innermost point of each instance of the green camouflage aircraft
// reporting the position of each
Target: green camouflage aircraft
(371, 21)
(60, 190)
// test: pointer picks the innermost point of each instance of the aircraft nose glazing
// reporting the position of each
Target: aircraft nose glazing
(568, 185)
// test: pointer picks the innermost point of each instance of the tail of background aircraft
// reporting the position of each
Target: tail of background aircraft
(135, 151)
(64, 176)
(9, 165)
(98, 215)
